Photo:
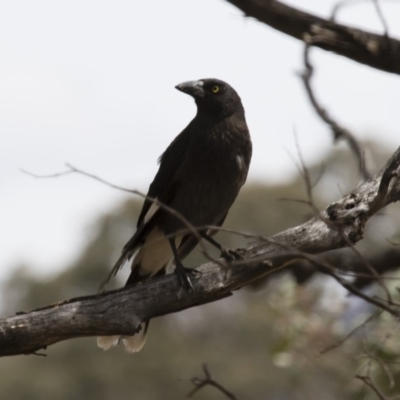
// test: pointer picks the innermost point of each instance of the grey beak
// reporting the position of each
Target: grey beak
(192, 88)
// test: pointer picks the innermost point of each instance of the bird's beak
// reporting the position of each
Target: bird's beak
(192, 88)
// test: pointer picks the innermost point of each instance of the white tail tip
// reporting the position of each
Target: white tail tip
(106, 342)
(132, 344)
(135, 343)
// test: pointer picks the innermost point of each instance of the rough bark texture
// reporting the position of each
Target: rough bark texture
(120, 312)
(377, 51)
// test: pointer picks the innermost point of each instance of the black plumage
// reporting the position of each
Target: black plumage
(200, 175)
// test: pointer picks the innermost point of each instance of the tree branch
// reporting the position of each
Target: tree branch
(120, 312)
(339, 131)
(208, 380)
(369, 382)
(350, 264)
(377, 51)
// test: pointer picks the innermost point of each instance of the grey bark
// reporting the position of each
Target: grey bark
(377, 51)
(120, 312)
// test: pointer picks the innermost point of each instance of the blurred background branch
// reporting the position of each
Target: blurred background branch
(377, 51)
(339, 132)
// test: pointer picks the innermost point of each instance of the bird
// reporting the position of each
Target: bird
(199, 177)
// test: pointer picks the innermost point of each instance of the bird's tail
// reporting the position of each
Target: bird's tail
(120, 262)
(132, 344)
(151, 259)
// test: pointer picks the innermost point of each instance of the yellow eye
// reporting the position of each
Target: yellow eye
(215, 89)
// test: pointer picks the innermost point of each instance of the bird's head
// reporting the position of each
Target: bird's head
(213, 96)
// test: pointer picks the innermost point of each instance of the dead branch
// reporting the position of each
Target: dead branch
(120, 312)
(381, 17)
(370, 383)
(339, 132)
(346, 262)
(377, 51)
(208, 380)
(351, 333)
(342, 4)
(329, 270)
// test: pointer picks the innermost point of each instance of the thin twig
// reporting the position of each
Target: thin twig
(192, 229)
(351, 333)
(322, 266)
(384, 367)
(306, 177)
(377, 202)
(382, 18)
(341, 4)
(56, 175)
(339, 132)
(330, 270)
(375, 353)
(200, 383)
(369, 382)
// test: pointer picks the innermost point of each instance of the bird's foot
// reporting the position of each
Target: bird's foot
(183, 276)
(230, 255)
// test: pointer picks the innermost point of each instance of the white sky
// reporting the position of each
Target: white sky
(92, 83)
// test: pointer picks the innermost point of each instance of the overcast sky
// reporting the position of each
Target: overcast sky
(91, 82)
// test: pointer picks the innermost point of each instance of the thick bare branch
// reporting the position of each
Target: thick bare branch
(121, 312)
(377, 51)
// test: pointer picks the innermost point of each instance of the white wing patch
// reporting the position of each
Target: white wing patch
(152, 210)
(240, 162)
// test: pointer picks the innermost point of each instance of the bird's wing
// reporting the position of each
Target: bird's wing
(161, 189)
(162, 186)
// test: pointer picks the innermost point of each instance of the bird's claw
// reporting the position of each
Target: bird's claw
(230, 255)
(183, 276)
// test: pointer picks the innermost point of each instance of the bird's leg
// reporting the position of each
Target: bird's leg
(180, 269)
(228, 254)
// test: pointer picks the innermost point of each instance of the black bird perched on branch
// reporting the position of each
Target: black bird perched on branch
(200, 175)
